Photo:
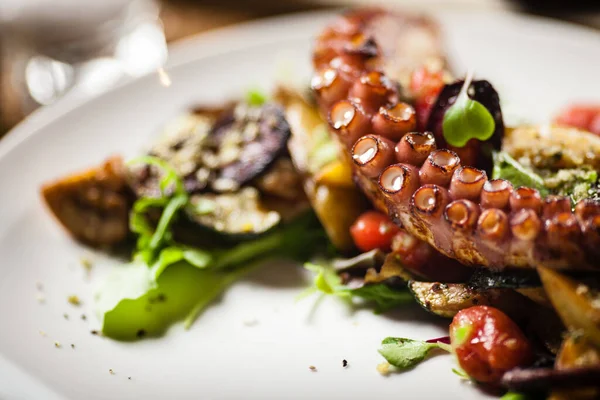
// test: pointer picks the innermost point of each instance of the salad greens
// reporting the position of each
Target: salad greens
(506, 167)
(577, 184)
(327, 281)
(168, 281)
(467, 119)
(406, 353)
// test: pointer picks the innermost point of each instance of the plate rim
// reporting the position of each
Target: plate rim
(221, 40)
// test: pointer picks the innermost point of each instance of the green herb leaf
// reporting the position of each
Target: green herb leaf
(385, 297)
(327, 281)
(506, 167)
(514, 396)
(256, 97)
(405, 353)
(467, 119)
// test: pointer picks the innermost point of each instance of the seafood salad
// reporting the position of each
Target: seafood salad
(394, 180)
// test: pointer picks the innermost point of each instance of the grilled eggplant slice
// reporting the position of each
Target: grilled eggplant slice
(447, 299)
(218, 154)
(93, 205)
(234, 214)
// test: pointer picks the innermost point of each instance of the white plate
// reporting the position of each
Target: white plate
(537, 66)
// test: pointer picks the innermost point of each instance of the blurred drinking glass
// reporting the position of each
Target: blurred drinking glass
(54, 47)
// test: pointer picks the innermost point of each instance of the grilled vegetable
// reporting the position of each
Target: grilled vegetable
(336, 201)
(575, 302)
(576, 352)
(238, 213)
(218, 154)
(446, 300)
(93, 205)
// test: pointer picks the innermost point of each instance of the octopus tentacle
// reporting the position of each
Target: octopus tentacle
(496, 193)
(428, 190)
(467, 183)
(415, 147)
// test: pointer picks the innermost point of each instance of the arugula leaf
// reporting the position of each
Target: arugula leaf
(406, 353)
(327, 281)
(467, 119)
(506, 167)
(385, 297)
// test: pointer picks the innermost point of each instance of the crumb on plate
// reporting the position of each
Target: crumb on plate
(313, 368)
(74, 300)
(57, 345)
(384, 368)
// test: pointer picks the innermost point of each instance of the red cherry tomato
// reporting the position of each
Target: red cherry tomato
(585, 117)
(425, 86)
(488, 343)
(373, 230)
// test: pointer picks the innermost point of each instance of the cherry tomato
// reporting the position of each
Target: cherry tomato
(488, 343)
(413, 252)
(585, 117)
(425, 86)
(373, 230)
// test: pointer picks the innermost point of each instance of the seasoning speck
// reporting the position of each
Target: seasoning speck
(140, 333)
(66, 316)
(86, 263)
(42, 333)
(94, 332)
(129, 377)
(384, 368)
(313, 368)
(83, 317)
(344, 363)
(57, 345)
(74, 300)
(110, 371)
(39, 286)
(72, 346)
(40, 298)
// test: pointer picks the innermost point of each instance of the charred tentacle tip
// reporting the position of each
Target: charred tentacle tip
(349, 120)
(372, 153)
(496, 193)
(462, 215)
(526, 197)
(587, 208)
(395, 121)
(439, 167)
(525, 224)
(555, 205)
(493, 225)
(415, 147)
(399, 182)
(372, 90)
(429, 201)
(467, 183)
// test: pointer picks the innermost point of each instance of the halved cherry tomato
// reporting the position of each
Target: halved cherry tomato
(585, 117)
(373, 230)
(425, 86)
(488, 343)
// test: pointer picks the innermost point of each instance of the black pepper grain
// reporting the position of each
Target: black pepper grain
(140, 333)
(344, 363)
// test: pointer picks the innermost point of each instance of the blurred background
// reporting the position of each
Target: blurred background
(51, 49)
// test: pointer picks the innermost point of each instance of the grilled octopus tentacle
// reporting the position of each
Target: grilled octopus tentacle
(455, 208)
